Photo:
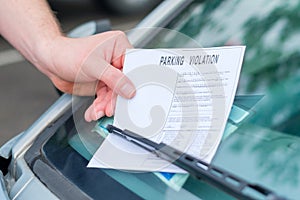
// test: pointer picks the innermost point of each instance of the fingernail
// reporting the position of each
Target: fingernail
(100, 114)
(128, 90)
(87, 117)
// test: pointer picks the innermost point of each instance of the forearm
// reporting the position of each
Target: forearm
(29, 26)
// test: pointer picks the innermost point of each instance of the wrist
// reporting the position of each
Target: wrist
(45, 50)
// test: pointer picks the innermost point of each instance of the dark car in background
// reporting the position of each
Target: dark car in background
(262, 147)
(121, 7)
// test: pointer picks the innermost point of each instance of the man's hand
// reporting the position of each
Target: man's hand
(89, 66)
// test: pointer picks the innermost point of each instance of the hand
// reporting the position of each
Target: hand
(89, 66)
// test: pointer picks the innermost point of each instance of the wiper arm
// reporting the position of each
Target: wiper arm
(216, 176)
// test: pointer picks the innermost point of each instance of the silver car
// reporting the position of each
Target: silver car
(261, 141)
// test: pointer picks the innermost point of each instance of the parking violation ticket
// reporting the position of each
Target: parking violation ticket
(183, 99)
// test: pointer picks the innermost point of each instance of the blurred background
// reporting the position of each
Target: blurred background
(25, 92)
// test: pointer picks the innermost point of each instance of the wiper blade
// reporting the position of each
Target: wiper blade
(216, 176)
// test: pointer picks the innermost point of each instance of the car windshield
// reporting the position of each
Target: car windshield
(262, 147)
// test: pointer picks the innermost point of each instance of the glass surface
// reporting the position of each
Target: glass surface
(264, 147)
(69, 151)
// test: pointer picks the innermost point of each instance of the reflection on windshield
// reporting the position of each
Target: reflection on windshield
(264, 148)
(271, 32)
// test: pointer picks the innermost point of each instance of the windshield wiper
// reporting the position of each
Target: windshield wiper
(216, 176)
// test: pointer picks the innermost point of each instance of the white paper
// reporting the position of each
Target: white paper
(183, 99)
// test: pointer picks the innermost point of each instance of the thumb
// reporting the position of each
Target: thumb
(118, 82)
